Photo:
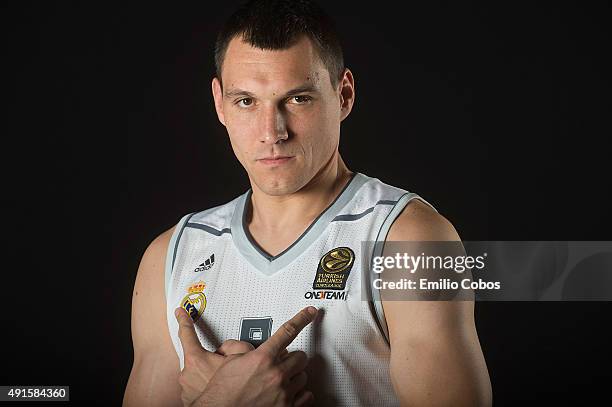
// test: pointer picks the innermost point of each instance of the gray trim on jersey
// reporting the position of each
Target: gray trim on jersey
(208, 229)
(378, 250)
(172, 248)
(350, 217)
(267, 264)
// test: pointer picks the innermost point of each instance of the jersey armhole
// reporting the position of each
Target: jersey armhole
(379, 246)
(171, 251)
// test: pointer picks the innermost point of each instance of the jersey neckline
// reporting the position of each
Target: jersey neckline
(268, 264)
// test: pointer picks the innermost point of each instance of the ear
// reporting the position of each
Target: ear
(218, 97)
(347, 93)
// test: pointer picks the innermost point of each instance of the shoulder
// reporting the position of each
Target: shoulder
(149, 288)
(150, 281)
(156, 250)
(419, 221)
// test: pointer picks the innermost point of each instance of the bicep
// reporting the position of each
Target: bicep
(436, 357)
(435, 354)
(153, 380)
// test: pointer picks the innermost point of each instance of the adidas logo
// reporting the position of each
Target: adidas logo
(208, 263)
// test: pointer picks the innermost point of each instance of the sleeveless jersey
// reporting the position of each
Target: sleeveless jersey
(235, 290)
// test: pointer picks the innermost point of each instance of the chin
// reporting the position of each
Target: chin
(278, 190)
(281, 184)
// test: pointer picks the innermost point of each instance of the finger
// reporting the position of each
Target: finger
(283, 354)
(294, 363)
(234, 347)
(288, 332)
(304, 398)
(187, 334)
(297, 383)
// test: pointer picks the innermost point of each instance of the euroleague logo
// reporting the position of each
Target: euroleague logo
(337, 260)
(332, 273)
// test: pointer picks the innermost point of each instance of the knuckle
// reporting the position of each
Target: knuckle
(290, 328)
(240, 347)
(304, 317)
(261, 359)
(248, 346)
(276, 377)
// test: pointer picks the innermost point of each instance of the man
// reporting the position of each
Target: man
(228, 277)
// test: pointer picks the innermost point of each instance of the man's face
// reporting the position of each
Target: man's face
(279, 103)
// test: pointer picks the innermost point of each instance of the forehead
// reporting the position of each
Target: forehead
(245, 65)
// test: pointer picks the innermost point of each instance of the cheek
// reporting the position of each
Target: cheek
(243, 134)
(238, 120)
(323, 128)
(313, 122)
(240, 142)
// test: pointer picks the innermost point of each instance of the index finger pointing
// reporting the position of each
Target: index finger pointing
(187, 334)
(288, 331)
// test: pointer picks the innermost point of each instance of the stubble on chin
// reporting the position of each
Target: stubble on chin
(278, 186)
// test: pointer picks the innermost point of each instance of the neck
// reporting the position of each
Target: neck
(282, 214)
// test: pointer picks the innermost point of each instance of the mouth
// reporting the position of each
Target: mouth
(278, 160)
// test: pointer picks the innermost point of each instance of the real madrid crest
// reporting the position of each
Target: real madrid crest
(334, 269)
(195, 300)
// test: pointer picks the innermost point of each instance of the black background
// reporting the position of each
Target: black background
(498, 114)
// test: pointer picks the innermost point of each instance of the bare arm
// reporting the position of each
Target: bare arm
(154, 377)
(436, 359)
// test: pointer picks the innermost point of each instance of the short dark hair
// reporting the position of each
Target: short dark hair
(278, 24)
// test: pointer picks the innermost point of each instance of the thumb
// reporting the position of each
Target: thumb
(234, 347)
(187, 334)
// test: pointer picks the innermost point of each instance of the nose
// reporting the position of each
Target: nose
(273, 125)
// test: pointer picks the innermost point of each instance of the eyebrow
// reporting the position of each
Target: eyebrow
(309, 88)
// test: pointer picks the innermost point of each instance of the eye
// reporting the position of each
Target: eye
(300, 99)
(245, 102)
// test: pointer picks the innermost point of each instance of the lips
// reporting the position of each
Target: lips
(279, 159)
(276, 157)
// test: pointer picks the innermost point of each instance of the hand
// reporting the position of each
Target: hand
(266, 376)
(201, 365)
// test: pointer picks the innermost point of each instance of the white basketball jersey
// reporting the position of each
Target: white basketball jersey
(235, 290)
